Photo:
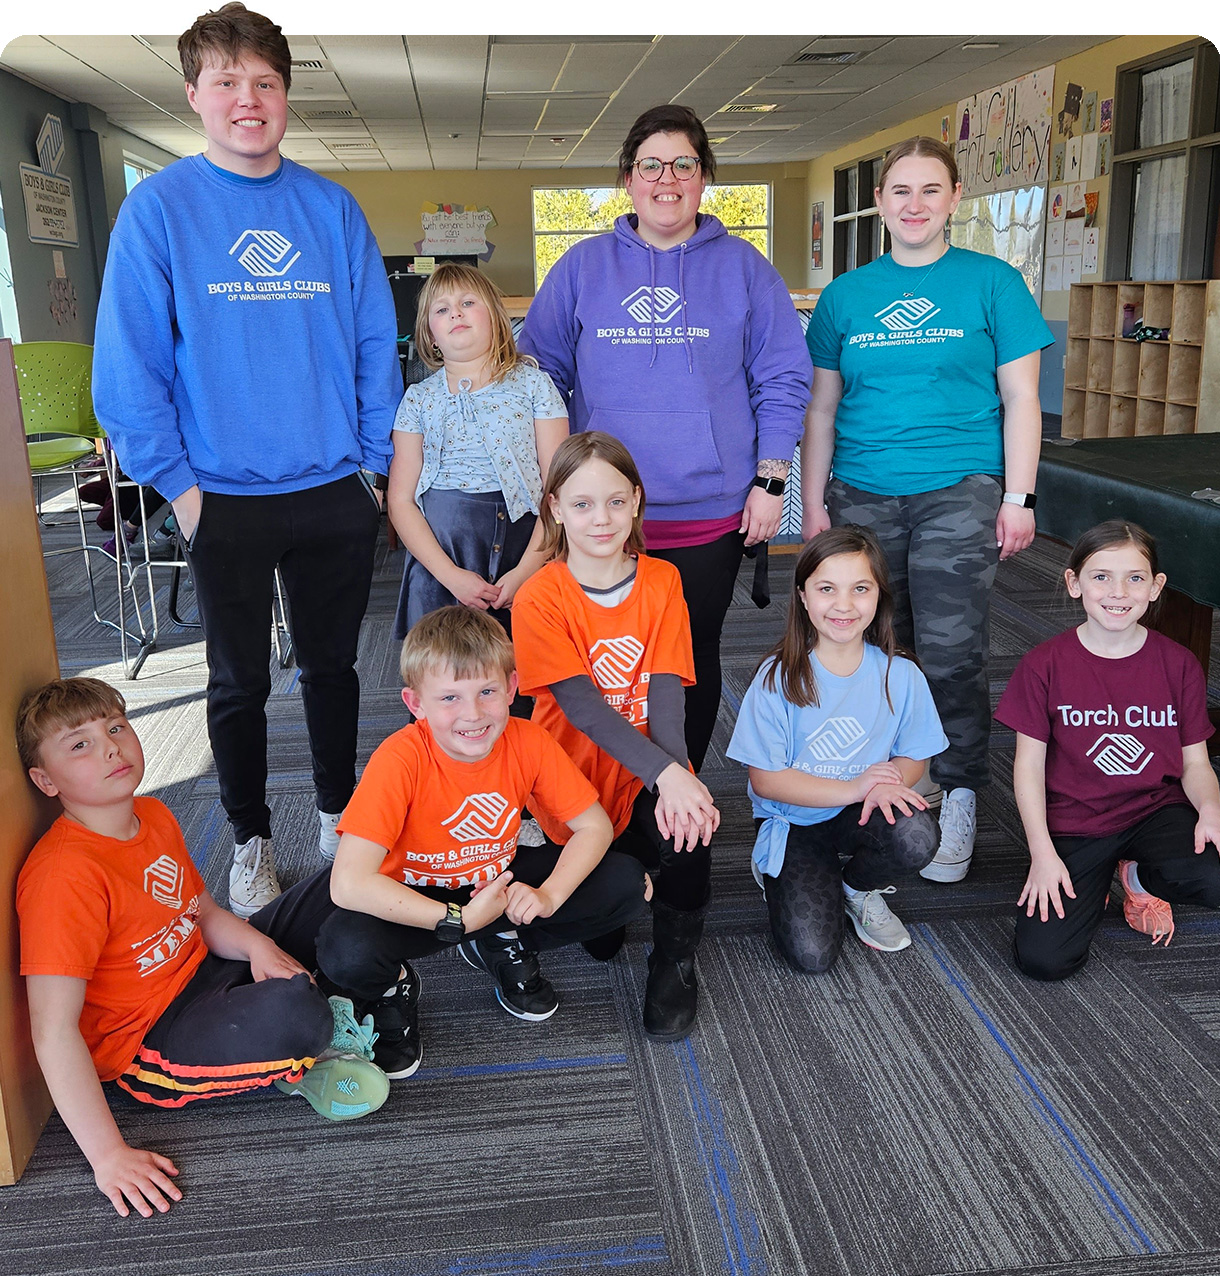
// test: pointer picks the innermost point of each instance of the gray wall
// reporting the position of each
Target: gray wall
(94, 163)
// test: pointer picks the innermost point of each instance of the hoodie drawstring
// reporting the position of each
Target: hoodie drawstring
(686, 339)
(652, 301)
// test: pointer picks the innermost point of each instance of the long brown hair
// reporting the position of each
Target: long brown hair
(456, 276)
(789, 658)
(923, 147)
(570, 455)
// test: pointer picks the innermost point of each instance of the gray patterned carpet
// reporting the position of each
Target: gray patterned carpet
(912, 1114)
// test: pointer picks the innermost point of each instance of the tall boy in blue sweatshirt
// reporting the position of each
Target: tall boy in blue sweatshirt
(246, 366)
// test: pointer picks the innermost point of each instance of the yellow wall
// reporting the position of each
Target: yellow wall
(1093, 70)
(393, 201)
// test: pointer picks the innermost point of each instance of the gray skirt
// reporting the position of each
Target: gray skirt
(474, 529)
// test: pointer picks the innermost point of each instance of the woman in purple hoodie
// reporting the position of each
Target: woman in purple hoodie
(681, 340)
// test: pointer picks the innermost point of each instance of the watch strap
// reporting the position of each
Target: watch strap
(772, 486)
(1027, 500)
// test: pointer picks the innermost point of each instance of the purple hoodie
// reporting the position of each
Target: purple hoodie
(692, 356)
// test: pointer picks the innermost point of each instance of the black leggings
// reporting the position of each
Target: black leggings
(708, 574)
(805, 901)
(681, 879)
(1163, 847)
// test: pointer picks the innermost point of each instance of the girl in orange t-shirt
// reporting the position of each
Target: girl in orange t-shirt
(603, 642)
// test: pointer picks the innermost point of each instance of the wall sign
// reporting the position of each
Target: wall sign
(50, 209)
(1004, 135)
(451, 229)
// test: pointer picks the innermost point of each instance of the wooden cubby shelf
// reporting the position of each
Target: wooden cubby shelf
(1114, 387)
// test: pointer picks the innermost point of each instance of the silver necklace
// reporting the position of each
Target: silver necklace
(924, 276)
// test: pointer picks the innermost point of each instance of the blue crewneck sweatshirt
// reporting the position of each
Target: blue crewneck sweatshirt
(693, 356)
(246, 336)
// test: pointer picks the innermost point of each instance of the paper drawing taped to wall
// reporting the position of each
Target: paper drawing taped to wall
(1004, 135)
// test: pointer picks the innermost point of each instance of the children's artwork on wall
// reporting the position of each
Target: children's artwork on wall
(1054, 275)
(1105, 153)
(1057, 203)
(1058, 160)
(944, 129)
(1092, 250)
(1071, 168)
(1088, 118)
(1070, 111)
(1088, 157)
(1091, 200)
(815, 234)
(1004, 135)
(1107, 115)
(1054, 239)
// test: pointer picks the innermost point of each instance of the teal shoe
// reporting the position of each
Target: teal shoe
(341, 1089)
(350, 1037)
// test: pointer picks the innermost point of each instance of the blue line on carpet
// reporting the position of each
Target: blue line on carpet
(734, 702)
(541, 1064)
(213, 826)
(738, 1226)
(292, 683)
(1089, 1168)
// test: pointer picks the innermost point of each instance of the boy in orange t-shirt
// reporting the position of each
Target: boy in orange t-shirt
(134, 973)
(429, 854)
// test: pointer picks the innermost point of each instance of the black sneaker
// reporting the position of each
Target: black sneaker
(521, 987)
(399, 1049)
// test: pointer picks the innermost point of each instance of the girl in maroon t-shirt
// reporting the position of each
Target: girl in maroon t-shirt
(1111, 767)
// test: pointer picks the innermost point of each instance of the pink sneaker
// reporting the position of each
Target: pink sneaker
(1145, 913)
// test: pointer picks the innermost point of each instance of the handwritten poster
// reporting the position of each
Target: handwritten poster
(452, 229)
(1004, 135)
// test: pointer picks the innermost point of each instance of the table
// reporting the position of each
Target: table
(1148, 481)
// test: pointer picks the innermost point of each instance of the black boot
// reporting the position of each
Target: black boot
(671, 997)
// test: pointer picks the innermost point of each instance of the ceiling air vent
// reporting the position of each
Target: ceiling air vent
(747, 108)
(307, 64)
(335, 113)
(351, 146)
(816, 56)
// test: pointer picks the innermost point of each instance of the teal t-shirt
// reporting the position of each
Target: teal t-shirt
(917, 349)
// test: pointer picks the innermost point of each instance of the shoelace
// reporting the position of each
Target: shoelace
(522, 966)
(350, 1037)
(875, 909)
(955, 824)
(261, 874)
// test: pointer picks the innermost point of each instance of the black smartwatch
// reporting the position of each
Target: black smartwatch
(451, 929)
(379, 482)
(772, 486)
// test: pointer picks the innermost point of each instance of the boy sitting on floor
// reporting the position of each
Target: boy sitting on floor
(431, 831)
(135, 974)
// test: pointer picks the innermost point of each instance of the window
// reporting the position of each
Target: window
(9, 323)
(565, 214)
(134, 171)
(859, 233)
(1166, 181)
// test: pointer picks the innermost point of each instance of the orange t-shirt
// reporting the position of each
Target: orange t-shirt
(559, 632)
(450, 823)
(121, 915)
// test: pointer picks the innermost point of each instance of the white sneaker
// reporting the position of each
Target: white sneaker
(531, 834)
(252, 879)
(328, 839)
(874, 922)
(957, 827)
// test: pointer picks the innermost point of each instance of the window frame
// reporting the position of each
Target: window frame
(1201, 147)
(536, 234)
(856, 224)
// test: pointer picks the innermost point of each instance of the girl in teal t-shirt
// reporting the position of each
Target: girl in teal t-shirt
(925, 427)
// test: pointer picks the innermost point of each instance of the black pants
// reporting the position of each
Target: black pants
(708, 573)
(805, 901)
(363, 954)
(224, 1033)
(322, 539)
(1162, 845)
(681, 879)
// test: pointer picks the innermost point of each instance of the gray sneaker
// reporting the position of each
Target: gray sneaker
(874, 923)
(328, 835)
(252, 880)
(957, 827)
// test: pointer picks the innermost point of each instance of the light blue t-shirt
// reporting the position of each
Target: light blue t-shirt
(850, 729)
(917, 348)
(482, 440)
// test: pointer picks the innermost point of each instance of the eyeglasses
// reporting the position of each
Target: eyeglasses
(683, 168)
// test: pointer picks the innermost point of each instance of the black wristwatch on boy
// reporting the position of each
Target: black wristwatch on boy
(451, 929)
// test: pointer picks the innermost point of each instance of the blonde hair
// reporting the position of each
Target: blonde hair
(463, 639)
(569, 456)
(63, 704)
(454, 276)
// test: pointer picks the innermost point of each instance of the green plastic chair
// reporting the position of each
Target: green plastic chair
(54, 379)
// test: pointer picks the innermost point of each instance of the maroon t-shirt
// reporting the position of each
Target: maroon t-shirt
(1114, 730)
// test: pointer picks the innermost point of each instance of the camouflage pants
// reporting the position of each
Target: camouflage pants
(942, 556)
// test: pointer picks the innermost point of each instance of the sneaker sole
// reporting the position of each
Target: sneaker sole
(403, 1073)
(866, 938)
(935, 872)
(334, 1102)
(246, 911)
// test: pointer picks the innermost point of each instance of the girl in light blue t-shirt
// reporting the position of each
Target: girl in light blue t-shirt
(472, 443)
(836, 729)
